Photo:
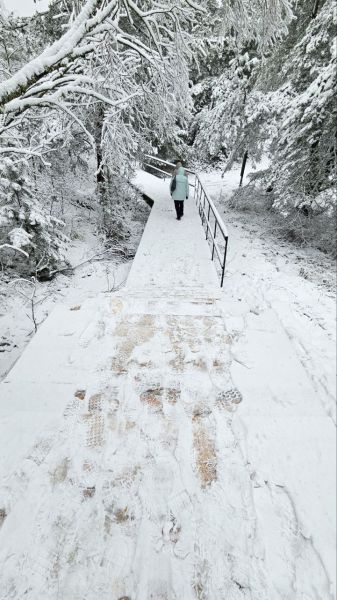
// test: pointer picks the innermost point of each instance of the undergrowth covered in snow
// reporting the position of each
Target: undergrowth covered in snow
(101, 232)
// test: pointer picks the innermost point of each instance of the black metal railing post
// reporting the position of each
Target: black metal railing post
(224, 262)
(214, 236)
(208, 214)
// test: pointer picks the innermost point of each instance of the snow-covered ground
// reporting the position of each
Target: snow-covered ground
(299, 284)
(88, 279)
(173, 441)
(279, 306)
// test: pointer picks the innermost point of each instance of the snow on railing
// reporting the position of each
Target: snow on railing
(209, 215)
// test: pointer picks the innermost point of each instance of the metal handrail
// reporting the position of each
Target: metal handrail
(165, 173)
(206, 208)
(160, 160)
(166, 162)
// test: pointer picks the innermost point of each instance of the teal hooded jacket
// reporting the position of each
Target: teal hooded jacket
(182, 188)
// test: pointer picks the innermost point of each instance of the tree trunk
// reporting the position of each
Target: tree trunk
(315, 9)
(98, 125)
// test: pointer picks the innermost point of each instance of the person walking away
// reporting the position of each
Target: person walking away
(179, 188)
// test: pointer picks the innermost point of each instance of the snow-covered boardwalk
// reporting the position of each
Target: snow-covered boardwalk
(172, 256)
(132, 458)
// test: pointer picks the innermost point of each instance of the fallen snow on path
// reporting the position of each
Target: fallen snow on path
(172, 444)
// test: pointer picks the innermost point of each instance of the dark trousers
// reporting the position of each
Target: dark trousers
(179, 204)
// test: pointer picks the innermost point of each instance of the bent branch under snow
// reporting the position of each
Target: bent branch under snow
(50, 59)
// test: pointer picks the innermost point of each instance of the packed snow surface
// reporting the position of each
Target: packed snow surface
(170, 441)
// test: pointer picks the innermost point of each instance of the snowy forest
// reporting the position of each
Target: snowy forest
(167, 299)
(88, 87)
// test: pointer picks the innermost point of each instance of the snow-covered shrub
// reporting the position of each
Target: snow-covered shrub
(29, 233)
(254, 197)
(297, 218)
(123, 212)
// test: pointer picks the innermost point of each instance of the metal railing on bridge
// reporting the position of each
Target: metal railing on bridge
(214, 227)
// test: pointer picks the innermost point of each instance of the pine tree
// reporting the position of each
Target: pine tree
(306, 149)
(25, 225)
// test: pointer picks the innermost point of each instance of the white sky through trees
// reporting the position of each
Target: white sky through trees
(24, 8)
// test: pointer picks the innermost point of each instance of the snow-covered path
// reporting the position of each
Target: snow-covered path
(145, 455)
